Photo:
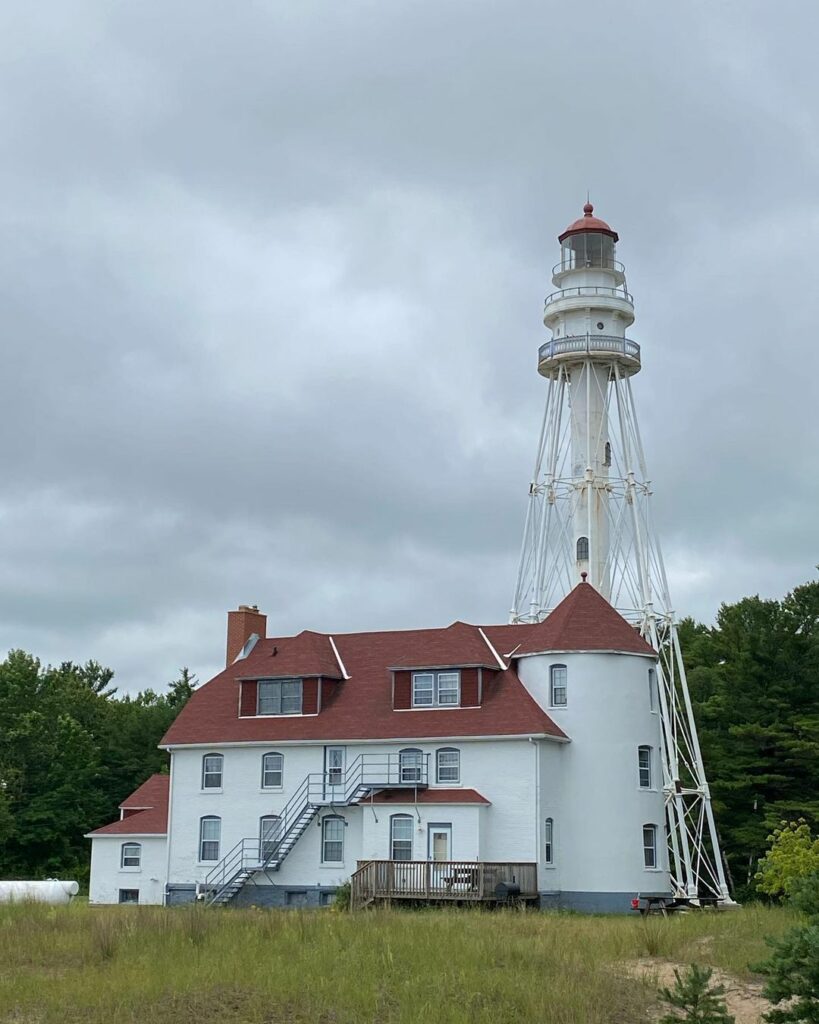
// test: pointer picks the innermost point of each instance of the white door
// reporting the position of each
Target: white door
(439, 842)
(334, 781)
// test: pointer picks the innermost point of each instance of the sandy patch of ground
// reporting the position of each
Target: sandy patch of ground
(743, 998)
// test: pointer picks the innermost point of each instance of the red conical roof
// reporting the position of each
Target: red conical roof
(587, 223)
(584, 621)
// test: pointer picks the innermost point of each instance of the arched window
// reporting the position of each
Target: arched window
(332, 839)
(644, 766)
(582, 549)
(549, 842)
(607, 455)
(558, 686)
(130, 855)
(401, 826)
(272, 770)
(212, 771)
(269, 836)
(448, 765)
(650, 846)
(410, 765)
(210, 835)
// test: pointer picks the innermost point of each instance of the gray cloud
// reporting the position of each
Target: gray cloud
(270, 282)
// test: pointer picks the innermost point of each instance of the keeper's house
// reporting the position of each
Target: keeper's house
(462, 763)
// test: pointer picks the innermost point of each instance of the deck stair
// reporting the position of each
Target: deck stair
(333, 788)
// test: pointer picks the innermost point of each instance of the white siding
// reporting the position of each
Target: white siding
(107, 877)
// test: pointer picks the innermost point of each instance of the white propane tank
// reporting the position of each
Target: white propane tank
(51, 891)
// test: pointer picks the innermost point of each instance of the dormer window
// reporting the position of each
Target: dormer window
(279, 697)
(436, 689)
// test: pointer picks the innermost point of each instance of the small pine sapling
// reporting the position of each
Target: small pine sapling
(695, 1000)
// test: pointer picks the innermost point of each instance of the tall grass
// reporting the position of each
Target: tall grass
(94, 965)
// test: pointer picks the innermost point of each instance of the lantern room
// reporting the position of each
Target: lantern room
(588, 244)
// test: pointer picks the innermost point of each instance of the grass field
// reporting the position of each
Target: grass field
(119, 964)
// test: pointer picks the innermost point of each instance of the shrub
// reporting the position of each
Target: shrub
(343, 896)
(793, 969)
(793, 856)
(697, 1001)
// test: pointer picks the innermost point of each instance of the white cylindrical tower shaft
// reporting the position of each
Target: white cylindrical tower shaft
(588, 317)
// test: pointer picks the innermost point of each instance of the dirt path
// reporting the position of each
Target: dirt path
(743, 998)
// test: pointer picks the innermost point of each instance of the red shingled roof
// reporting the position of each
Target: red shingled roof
(153, 820)
(426, 796)
(583, 621)
(360, 708)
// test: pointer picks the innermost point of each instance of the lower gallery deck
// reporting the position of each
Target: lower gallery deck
(466, 881)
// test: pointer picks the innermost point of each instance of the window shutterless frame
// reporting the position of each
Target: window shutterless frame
(436, 689)
(410, 765)
(130, 855)
(558, 686)
(272, 770)
(644, 767)
(279, 697)
(210, 834)
(650, 846)
(448, 766)
(401, 829)
(549, 842)
(332, 839)
(212, 770)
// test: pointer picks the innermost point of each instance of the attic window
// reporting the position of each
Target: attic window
(279, 697)
(436, 689)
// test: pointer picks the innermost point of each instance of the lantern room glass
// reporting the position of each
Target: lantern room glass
(589, 249)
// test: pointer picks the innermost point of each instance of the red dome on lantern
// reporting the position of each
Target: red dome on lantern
(588, 222)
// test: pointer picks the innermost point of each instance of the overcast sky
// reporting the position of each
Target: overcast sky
(271, 285)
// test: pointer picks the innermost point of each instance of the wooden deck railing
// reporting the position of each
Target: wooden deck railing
(438, 880)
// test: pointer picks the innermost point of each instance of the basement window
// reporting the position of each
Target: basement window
(129, 896)
(436, 689)
(279, 697)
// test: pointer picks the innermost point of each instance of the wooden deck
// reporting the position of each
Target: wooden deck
(467, 881)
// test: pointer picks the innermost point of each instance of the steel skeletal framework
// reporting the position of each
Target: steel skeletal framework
(589, 517)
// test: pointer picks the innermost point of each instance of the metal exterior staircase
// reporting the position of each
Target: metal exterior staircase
(332, 788)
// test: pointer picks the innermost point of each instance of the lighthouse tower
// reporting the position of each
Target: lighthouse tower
(588, 517)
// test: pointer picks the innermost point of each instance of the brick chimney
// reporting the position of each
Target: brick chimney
(242, 623)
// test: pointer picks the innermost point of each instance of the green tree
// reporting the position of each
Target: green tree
(792, 857)
(754, 680)
(793, 969)
(696, 999)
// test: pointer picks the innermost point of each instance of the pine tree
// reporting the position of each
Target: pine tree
(694, 998)
(793, 969)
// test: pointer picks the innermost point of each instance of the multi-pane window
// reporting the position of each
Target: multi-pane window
(644, 766)
(582, 549)
(401, 826)
(549, 842)
(272, 771)
(652, 689)
(129, 896)
(650, 846)
(212, 771)
(268, 836)
(558, 686)
(410, 765)
(279, 697)
(210, 834)
(130, 855)
(332, 840)
(448, 765)
(436, 689)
